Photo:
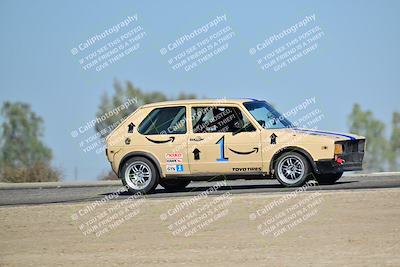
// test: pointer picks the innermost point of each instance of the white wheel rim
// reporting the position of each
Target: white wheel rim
(291, 169)
(138, 175)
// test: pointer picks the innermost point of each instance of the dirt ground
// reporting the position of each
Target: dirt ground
(352, 228)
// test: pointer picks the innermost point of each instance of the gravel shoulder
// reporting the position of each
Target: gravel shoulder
(351, 228)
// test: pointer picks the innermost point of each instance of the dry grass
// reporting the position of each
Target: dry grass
(38, 172)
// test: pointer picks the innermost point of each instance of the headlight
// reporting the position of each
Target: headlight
(338, 149)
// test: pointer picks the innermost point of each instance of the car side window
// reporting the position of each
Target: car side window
(170, 120)
(213, 119)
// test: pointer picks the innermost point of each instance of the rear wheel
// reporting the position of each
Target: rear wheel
(330, 178)
(292, 169)
(139, 175)
(174, 184)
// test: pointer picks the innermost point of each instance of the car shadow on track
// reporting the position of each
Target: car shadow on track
(236, 189)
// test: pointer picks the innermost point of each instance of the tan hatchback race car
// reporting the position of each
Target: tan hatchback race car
(172, 143)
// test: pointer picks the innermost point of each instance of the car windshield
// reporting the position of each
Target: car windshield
(267, 116)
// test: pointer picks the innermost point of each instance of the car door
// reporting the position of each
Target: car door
(222, 140)
(163, 133)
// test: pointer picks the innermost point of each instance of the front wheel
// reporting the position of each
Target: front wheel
(331, 178)
(292, 169)
(139, 175)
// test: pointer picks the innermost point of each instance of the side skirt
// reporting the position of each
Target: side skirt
(220, 177)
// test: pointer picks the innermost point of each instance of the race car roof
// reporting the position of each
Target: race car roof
(201, 101)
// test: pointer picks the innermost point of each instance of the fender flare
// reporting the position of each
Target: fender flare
(293, 149)
(147, 155)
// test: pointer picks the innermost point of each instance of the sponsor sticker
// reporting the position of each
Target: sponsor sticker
(174, 160)
(174, 168)
(179, 168)
(171, 168)
(250, 169)
(176, 155)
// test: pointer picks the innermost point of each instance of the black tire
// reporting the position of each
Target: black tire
(282, 176)
(129, 184)
(174, 184)
(331, 178)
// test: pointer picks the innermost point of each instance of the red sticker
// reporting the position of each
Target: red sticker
(173, 155)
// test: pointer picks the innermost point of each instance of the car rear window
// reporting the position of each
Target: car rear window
(169, 120)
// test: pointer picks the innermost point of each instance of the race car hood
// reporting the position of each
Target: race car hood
(330, 135)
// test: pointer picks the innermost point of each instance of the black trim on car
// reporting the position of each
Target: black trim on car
(353, 154)
(218, 176)
(328, 166)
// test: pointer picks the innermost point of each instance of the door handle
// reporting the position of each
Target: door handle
(197, 139)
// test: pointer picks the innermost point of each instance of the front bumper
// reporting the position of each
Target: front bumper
(331, 166)
(352, 156)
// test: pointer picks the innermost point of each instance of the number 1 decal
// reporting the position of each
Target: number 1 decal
(221, 143)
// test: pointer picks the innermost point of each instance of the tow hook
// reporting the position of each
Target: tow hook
(340, 161)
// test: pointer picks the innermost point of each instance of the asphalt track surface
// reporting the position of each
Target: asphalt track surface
(37, 196)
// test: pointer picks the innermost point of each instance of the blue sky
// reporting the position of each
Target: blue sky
(356, 60)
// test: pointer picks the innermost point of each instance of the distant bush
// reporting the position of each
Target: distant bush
(23, 155)
(38, 172)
